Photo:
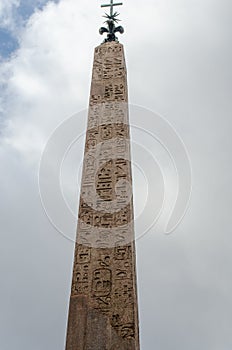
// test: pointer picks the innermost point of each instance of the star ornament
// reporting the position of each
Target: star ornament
(112, 17)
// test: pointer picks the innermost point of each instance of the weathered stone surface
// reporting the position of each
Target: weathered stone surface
(103, 313)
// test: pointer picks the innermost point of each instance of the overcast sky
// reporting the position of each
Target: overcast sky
(179, 65)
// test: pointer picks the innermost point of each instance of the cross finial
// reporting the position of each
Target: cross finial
(111, 5)
(111, 21)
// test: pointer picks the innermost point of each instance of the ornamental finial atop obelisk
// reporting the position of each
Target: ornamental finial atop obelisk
(111, 20)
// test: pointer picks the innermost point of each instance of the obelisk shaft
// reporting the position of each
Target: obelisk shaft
(103, 311)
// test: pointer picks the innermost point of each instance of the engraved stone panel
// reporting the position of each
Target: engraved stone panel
(103, 311)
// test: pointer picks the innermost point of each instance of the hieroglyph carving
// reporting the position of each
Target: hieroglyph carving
(104, 263)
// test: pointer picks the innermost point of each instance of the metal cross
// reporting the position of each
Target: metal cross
(111, 5)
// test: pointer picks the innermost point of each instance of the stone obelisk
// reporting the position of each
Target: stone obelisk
(103, 310)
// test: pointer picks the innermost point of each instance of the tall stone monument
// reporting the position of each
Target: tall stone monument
(103, 310)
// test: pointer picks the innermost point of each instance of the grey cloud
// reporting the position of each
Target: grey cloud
(179, 64)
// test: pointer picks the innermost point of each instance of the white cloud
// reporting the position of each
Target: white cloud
(47, 78)
(7, 8)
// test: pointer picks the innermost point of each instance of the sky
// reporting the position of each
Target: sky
(178, 57)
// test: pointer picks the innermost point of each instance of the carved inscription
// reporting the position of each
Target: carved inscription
(104, 254)
(83, 253)
(102, 282)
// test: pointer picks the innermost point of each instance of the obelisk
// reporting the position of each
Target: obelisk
(103, 309)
